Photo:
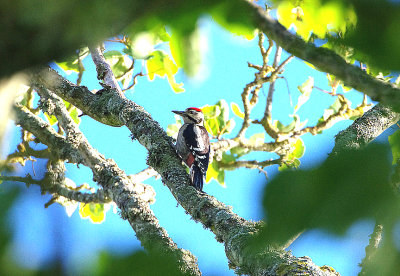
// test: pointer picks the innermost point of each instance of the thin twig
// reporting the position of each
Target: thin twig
(103, 69)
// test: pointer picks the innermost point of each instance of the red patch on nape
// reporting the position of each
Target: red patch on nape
(195, 108)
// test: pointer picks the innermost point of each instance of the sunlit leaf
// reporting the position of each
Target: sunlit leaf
(295, 163)
(142, 45)
(296, 124)
(95, 212)
(75, 116)
(299, 149)
(215, 173)
(315, 16)
(71, 64)
(333, 109)
(211, 112)
(119, 62)
(229, 126)
(257, 139)
(305, 90)
(217, 120)
(236, 110)
(292, 160)
(161, 64)
(50, 118)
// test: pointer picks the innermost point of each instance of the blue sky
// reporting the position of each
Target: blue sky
(40, 233)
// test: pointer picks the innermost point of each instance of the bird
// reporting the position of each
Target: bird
(193, 145)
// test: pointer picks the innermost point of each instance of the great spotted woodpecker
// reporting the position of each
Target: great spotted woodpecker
(193, 145)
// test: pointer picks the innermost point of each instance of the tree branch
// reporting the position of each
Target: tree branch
(97, 197)
(227, 226)
(132, 198)
(325, 60)
(366, 128)
(104, 72)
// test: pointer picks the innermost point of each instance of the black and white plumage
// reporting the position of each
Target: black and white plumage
(193, 145)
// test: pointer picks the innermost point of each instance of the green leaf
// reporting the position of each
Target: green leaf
(234, 16)
(214, 172)
(346, 188)
(72, 63)
(239, 151)
(394, 141)
(69, 66)
(372, 45)
(305, 90)
(223, 105)
(186, 50)
(294, 125)
(162, 34)
(295, 163)
(333, 109)
(211, 112)
(315, 17)
(257, 139)
(119, 62)
(95, 212)
(292, 160)
(236, 110)
(142, 45)
(229, 126)
(216, 119)
(228, 158)
(212, 126)
(162, 65)
(299, 149)
(50, 118)
(75, 116)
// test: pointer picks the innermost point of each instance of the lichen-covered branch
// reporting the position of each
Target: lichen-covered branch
(72, 194)
(325, 60)
(227, 226)
(132, 198)
(366, 128)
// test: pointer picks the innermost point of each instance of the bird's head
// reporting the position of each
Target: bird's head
(191, 115)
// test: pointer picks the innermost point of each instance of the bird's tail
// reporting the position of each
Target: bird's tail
(197, 177)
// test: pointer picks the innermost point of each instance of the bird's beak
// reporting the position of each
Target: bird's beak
(178, 112)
